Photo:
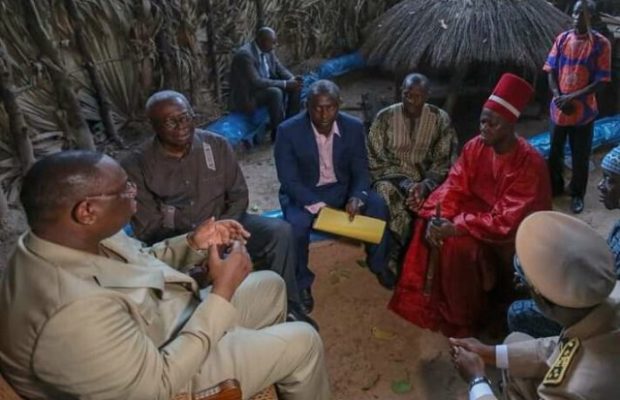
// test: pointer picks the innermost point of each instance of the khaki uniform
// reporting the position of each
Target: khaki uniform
(591, 372)
(126, 325)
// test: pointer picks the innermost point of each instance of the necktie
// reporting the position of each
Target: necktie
(264, 66)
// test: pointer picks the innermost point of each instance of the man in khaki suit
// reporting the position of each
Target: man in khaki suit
(569, 271)
(88, 312)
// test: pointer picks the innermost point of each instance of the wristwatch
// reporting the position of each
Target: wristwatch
(477, 380)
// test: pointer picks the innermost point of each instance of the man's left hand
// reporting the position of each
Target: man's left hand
(437, 232)
(469, 364)
(563, 102)
(218, 233)
(354, 206)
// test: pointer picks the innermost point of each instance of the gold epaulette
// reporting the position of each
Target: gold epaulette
(557, 372)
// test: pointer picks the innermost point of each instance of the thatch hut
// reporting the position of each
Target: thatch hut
(75, 73)
(457, 33)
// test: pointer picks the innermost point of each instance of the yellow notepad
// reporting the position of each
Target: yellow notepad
(366, 229)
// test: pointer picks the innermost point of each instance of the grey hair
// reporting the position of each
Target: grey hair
(165, 96)
(324, 87)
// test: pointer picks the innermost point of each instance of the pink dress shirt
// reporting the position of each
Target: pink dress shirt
(327, 175)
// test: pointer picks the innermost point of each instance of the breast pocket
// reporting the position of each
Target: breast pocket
(211, 194)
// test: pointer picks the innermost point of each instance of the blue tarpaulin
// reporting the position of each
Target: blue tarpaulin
(606, 133)
(237, 127)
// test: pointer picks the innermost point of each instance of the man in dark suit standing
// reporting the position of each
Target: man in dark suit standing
(321, 161)
(258, 78)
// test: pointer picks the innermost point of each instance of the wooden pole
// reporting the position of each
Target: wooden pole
(89, 64)
(260, 14)
(68, 104)
(141, 37)
(165, 50)
(18, 128)
(4, 208)
(211, 55)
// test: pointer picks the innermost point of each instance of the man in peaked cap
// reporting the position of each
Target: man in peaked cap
(574, 285)
(453, 262)
(523, 315)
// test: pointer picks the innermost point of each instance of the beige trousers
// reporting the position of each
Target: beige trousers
(519, 388)
(263, 350)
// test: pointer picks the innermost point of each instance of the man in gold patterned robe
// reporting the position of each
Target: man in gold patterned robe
(410, 147)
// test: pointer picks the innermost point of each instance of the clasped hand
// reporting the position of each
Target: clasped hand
(469, 356)
(563, 102)
(439, 229)
(228, 273)
(418, 192)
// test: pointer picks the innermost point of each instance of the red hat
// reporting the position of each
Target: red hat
(510, 96)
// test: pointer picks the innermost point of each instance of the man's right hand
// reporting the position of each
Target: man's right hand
(564, 103)
(227, 274)
(475, 346)
(212, 232)
(293, 85)
(418, 192)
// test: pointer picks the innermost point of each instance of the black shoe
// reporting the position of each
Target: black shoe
(576, 204)
(296, 314)
(386, 278)
(307, 301)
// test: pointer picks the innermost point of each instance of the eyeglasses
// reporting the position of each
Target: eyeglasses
(129, 192)
(178, 121)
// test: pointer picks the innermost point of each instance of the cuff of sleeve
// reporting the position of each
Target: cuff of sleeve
(479, 391)
(362, 195)
(212, 318)
(459, 222)
(194, 256)
(316, 207)
(501, 356)
(283, 84)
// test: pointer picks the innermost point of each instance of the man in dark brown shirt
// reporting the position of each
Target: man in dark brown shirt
(185, 175)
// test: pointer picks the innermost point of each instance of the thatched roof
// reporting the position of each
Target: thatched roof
(458, 33)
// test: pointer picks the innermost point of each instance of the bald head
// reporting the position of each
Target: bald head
(415, 79)
(164, 97)
(266, 39)
(57, 182)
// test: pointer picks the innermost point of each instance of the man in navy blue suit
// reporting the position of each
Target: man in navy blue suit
(321, 161)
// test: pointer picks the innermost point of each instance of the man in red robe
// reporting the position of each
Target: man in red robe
(456, 259)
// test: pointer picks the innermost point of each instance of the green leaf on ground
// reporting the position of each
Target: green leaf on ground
(362, 263)
(402, 386)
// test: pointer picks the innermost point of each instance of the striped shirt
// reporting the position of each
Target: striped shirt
(399, 147)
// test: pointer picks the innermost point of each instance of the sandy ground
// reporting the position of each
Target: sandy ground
(369, 349)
